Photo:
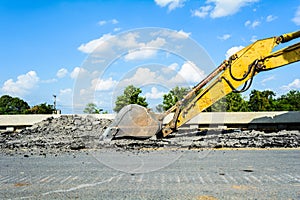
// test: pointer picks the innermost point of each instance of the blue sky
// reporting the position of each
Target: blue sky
(54, 47)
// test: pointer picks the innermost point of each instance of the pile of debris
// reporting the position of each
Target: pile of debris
(219, 139)
(69, 133)
(55, 135)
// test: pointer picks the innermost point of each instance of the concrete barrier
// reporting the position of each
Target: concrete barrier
(252, 120)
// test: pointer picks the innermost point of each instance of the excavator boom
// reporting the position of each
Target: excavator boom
(239, 69)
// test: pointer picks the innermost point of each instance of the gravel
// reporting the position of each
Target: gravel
(70, 133)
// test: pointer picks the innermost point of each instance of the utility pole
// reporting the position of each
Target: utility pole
(54, 104)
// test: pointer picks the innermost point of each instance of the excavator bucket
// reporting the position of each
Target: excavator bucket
(132, 121)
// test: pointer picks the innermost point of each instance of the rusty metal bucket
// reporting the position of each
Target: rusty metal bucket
(132, 121)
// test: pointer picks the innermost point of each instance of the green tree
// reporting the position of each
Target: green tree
(92, 108)
(289, 101)
(131, 95)
(235, 103)
(173, 96)
(261, 101)
(232, 102)
(218, 106)
(42, 108)
(12, 105)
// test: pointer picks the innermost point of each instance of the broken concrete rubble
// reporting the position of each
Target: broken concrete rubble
(55, 135)
(73, 133)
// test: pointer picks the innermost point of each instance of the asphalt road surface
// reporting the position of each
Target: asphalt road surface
(162, 174)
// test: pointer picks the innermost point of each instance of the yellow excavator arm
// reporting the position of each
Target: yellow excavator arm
(240, 68)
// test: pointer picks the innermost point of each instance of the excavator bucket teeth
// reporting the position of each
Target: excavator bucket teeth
(132, 121)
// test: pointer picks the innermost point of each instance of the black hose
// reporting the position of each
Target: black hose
(246, 85)
(246, 74)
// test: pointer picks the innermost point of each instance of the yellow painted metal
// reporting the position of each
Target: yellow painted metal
(282, 57)
(289, 36)
(259, 54)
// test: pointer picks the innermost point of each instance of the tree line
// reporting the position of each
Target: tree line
(14, 105)
(234, 102)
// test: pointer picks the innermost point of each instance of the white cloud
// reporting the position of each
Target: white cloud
(117, 29)
(293, 85)
(154, 94)
(253, 24)
(76, 71)
(103, 84)
(191, 72)
(105, 43)
(172, 34)
(92, 45)
(62, 73)
(52, 80)
(140, 54)
(141, 76)
(270, 18)
(270, 78)
(128, 40)
(84, 92)
(170, 69)
(158, 42)
(233, 50)
(202, 12)
(65, 99)
(247, 23)
(188, 73)
(137, 47)
(224, 37)
(65, 91)
(112, 21)
(172, 4)
(296, 18)
(22, 86)
(253, 38)
(173, 66)
(146, 51)
(221, 8)
(102, 22)
(181, 34)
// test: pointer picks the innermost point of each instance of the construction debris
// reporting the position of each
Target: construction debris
(219, 139)
(55, 135)
(70, 133)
